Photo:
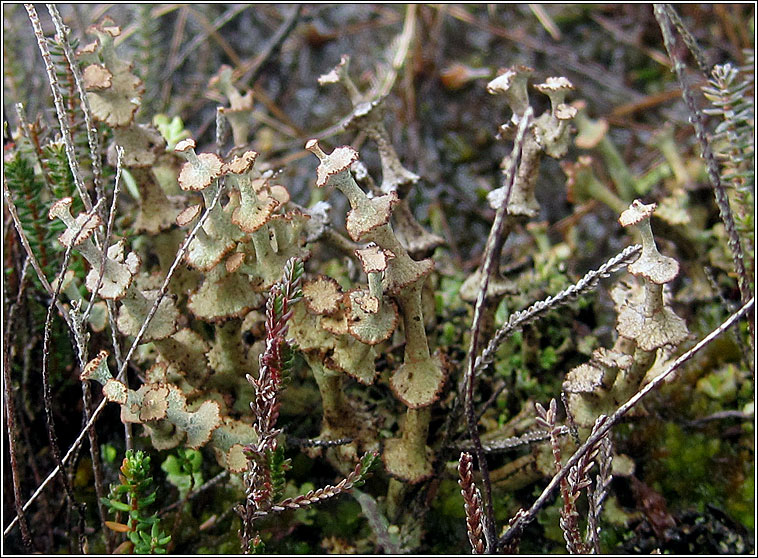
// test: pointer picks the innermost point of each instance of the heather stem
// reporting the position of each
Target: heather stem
(722, 200)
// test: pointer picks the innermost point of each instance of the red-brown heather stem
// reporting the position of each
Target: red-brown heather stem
(47, 394)
(577, 480)
(569, 516)
(689, 40)
(265, 405)
(472, 503)
(355, 477)
(511, 546)
(596, 496)
(81, 336)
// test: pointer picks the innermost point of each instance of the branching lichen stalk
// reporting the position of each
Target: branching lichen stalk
(47, 395)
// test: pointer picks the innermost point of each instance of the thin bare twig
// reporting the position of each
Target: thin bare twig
(69, 322)
(11, 205)
(689, 40)
(59, 108)
(316, 443)
(721, 415)
(10, 408)
(517, 526)
(747, 356)
(194, 493)
(487, 270)
(192, 46)
(108, 232)
(403, 46)
(487, 404)
(513, 442)
(547, 22)
(250, 73)
(110, 304)
(631, 39)
(26, 132)
(81, 338)
(164, 287)
(222, 130)
(47, 394)
(378, 522)
(211, 32)
(92, 137)
(176, 41)
(97, 466)
(596, 496)
(573, 429)
(568, 58)
(661, 12)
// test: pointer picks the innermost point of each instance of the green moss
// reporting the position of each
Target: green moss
(549, 519)
(685, 461)
(446, 294)
(696, 469)
(448, 530)
(340, 518)
(720, 385)
(741, 503)
(548, 358)
(231, 546)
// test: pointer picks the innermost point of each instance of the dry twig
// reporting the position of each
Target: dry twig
(494, 240)
(10, 408)
(662, 14)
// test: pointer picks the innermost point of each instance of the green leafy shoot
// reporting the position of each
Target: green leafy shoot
(184, 470)
(133, 496)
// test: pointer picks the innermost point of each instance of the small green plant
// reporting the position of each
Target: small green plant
(133, 496)
(184, 470)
